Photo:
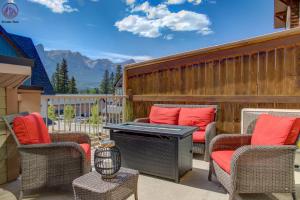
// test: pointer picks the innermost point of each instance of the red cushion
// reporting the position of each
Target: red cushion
(43, 130)
(87, 150)
(159, 115)
(31, 129)
(292, 137)
(223, 159)
(199, 136)
(200, 117)
(272, 130)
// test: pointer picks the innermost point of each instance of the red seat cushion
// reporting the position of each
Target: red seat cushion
(87, 150)
(160, 115)
(223, 159)
(199, 136)
(31, 129)
(200, 117)
(273, 130)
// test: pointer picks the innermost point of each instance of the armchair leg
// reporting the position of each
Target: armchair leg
(210, 171)
(231, 197)
(294, 195)
(21, 195)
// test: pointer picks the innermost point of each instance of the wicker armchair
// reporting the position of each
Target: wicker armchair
(210, 131)
(255, 169)
(55, 164)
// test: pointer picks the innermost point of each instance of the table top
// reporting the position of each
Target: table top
(93, 181)
(153, 129)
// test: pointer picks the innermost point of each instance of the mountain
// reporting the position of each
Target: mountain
(87, 72)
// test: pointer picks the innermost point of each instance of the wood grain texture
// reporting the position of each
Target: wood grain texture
(263, 74)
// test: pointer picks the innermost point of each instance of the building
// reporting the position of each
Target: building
(22, 81)
(39, 77)
(286, 13)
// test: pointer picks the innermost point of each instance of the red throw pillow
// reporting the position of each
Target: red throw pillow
(292, 137)
(160, 115)
(31, 129)
(87, 150)
(200, 117)
(272, 130)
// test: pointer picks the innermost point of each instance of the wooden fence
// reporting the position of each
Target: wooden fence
(261, 72)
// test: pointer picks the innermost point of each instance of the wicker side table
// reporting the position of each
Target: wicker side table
(92, 187)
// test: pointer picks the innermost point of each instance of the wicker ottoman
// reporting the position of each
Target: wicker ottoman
(91, 186)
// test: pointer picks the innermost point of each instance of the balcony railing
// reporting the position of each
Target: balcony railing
(81, 113)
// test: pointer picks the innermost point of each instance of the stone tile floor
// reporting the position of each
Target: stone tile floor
(193, 186)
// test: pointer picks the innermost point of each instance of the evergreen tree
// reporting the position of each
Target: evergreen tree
(72, 86)
(63, 77)
(104, 85)
(56, 78)
(111, 83)
(53, 81)
(118, 73)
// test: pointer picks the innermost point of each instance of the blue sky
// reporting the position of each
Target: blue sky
(121, 29)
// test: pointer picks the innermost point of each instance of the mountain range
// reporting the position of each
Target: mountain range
(87, 72)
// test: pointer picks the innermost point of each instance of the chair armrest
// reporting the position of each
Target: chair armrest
(142, 120)
(57, 146)
(256, 156)
(79, 138)
(228, 142)
(53, 152)
(264, 168)
(210, 132)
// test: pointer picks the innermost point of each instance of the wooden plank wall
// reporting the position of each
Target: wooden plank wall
(264, 75)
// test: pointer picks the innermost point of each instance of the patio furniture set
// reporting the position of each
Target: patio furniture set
(259, 160)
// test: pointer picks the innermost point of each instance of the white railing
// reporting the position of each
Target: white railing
(81, 113)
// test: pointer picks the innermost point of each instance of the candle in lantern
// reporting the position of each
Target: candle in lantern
(108, 166)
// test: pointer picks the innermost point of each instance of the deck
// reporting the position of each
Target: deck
(193, 186)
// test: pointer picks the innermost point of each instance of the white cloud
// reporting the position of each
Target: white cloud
(56, 6)
(169, 37)
(139, 26)
(195, 2)
(186, 21)
(175, 1)
(152, 12)
(157, 18)
(130, 2)
(116, 57)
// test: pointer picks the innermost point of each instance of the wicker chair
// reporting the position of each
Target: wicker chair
(55, 164)
(255, 169)
(210, 131)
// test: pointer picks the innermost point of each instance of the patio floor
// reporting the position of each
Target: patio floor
(193, 186)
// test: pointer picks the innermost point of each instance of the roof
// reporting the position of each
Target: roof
(25, 48)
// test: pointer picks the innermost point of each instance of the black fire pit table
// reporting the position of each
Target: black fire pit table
(160, 150)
